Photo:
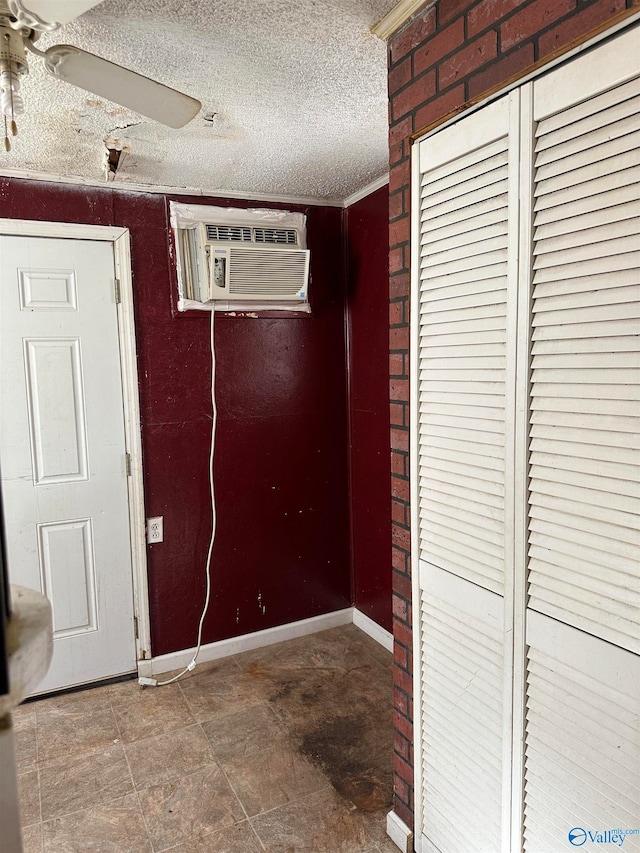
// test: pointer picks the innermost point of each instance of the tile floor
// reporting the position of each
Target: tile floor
(286, 749)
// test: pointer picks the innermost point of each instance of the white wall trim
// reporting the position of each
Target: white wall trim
(397, 17)
(25, 174)
(133, 440)
(375, 631)
(260, 639)
(380, 182)
(414, 346)
(399, 833)
(247, 642)
(126, 332)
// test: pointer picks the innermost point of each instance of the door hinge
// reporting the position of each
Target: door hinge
(135, 627)
(127, 464)
(116, 283)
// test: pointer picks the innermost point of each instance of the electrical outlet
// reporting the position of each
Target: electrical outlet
(154, 530)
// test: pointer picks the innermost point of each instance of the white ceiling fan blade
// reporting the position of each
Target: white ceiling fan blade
(118, 84)
(51, 12)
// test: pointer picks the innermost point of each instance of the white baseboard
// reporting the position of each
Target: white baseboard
(259, 639)
(377, 632)
(245, 643)
(399, 833)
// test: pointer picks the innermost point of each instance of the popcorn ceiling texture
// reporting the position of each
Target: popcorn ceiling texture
(297, 91)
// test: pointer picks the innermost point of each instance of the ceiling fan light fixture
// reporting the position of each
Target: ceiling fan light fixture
(13, 65)
(127, 88)
(22, 23)
(43, 16)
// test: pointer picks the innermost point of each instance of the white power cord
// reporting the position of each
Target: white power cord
(153, 682)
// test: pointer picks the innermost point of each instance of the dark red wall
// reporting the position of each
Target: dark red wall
(445, 58)
(368, 312)
(282, 548)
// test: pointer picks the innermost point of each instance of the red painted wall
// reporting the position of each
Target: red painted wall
(448, 55)
(367, 300)
(282, 548)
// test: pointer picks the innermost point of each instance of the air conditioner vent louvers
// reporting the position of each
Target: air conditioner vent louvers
(229, 233)
(246, 234)
(276, 235)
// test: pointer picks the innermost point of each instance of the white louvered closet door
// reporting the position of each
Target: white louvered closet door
(583, 578)
(468, 202)
(527, 288)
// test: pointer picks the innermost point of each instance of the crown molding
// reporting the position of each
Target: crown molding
(25, 174)
(380, 182)
(397, 17)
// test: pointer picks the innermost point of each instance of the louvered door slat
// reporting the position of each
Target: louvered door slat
(467, 423)
(575, 163)
(613, 453)
(590, 412)
(591, 511)
(463, 310)
(582, 193)
(593, 218)
(606, 107)
(475, 188)
(620, 343)
(483, 504)
(461, 717)
(607, 200)
(599, 387)
(582, 697)
(450, 230)
(610, 136)
(574, 523)
(495, 184)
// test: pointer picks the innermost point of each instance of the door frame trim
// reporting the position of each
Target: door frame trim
(120, 239)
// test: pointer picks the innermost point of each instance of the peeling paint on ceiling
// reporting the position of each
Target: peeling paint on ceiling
(294, 96)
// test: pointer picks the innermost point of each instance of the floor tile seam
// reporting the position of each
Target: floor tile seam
(290, 802)
(133, 743)
(121, 729)
(39, 795)
(96, 804)
(37, 771)
(281, 718)
(122, 739)
(88, 713)
(232, 788)
(269, 749)
(87, 808)
(30, 826)
(137, 795)
(83, 753)
(201, 837)
(231, 757)
(374, 849)
(72, 710)
(139, 789)
(265, 702)
(258, 839)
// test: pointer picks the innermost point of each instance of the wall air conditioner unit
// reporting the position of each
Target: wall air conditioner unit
(243, 258)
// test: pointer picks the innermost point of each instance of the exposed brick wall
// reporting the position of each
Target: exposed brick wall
(450, 53)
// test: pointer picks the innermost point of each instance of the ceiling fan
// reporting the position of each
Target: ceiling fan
(22, 22)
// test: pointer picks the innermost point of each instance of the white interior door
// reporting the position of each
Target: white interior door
(62, 450)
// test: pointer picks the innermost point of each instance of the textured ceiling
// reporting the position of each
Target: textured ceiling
(293, 94)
